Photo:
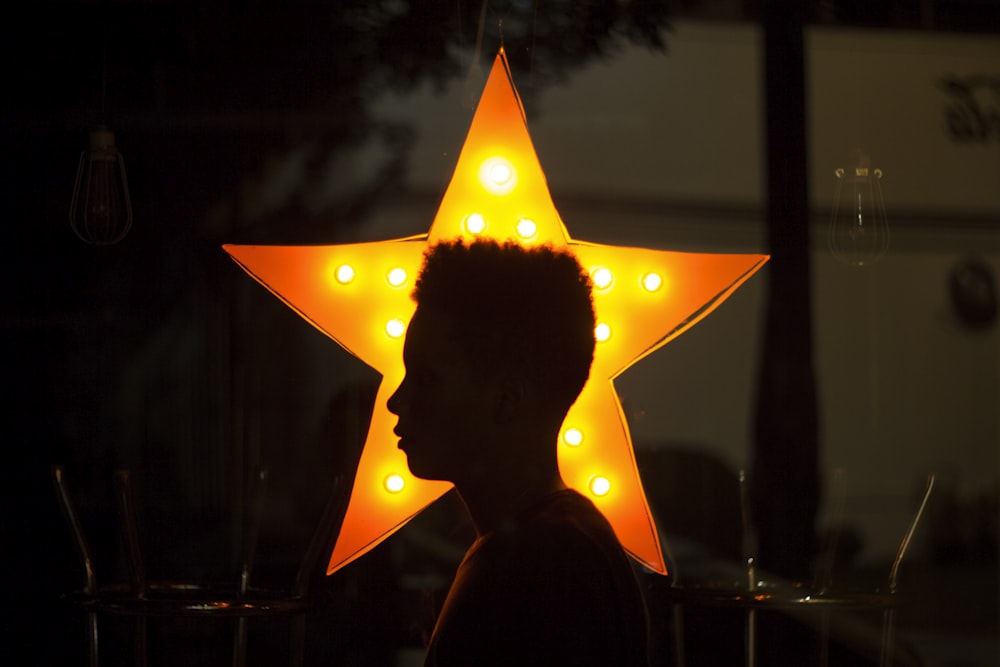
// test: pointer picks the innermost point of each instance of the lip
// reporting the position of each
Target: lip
(402, 438)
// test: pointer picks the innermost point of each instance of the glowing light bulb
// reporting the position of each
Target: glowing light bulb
(498, 176)
(526, 228)
(573, 437)
(652, 281)
(474, 224)
(395, 328)
(344, 274)
(602, 332)
(599, 486)
(396, 277)
(394, 483)
(602, 278)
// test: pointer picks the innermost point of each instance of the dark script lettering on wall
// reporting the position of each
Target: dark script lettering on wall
(972, 114)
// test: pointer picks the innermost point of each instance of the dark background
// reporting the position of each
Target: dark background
(159, 356)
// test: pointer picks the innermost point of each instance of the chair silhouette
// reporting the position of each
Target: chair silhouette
(698, 498)
(143, 598)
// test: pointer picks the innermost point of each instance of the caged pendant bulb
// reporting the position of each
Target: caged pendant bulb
(101, 211)
(859, 230)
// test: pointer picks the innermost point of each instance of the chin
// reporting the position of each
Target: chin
(423, 470)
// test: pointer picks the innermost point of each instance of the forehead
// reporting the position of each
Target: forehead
(432, 339)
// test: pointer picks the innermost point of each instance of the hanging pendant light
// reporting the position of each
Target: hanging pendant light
(101, 211)
(859, 230)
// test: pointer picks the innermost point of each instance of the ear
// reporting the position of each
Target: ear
(510, 399)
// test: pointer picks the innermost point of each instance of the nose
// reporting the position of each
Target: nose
(396, 402)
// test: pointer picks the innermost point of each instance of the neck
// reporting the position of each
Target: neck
(495, 502)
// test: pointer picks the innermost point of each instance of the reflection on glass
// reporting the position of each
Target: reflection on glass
(100, 211)
(859, 230)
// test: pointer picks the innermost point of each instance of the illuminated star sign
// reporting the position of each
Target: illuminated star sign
(359, 295)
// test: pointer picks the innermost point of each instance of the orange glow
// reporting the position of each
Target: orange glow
(498, 190)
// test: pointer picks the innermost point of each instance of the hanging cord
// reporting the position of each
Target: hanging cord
(534, 36)
(102, 118)
(478, 51)
(474, 78)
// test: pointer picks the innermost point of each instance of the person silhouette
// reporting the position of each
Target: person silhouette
(499, 348)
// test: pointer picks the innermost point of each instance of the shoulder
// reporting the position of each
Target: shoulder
(563, 532)
(557, 572)
(567, 518)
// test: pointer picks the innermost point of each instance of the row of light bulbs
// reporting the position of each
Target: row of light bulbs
(571, 436)
(394, 483)
(602, 278)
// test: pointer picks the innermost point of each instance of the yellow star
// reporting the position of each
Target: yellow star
(358, 294)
